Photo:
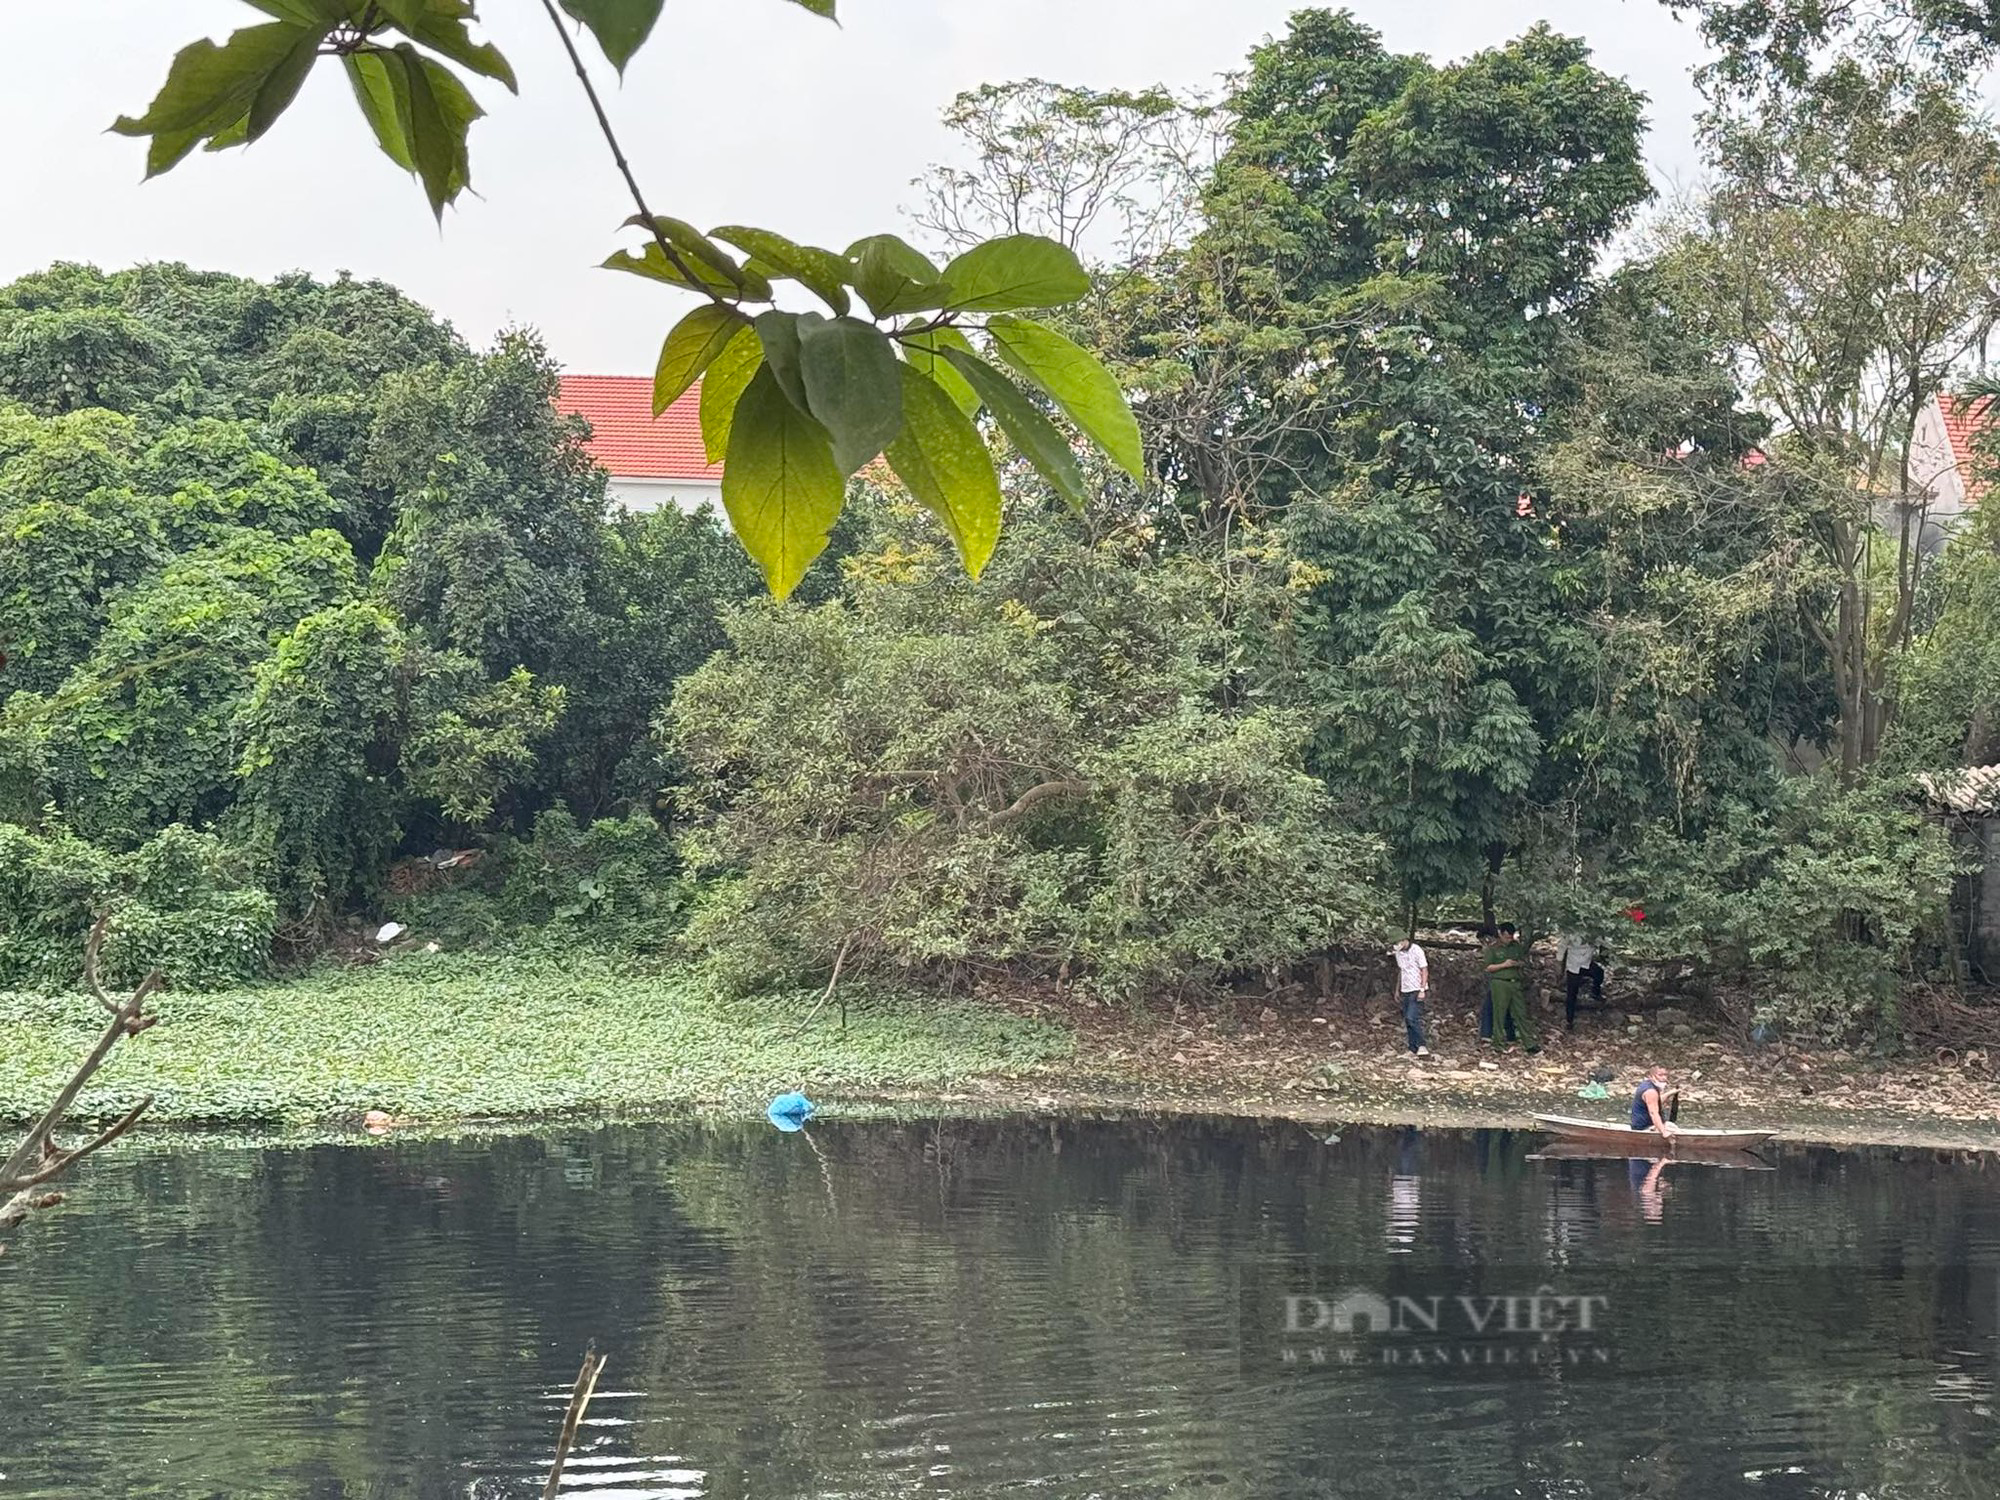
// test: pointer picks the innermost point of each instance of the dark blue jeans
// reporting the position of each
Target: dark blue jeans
(1413, 1017)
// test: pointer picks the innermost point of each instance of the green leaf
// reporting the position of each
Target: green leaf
(727, 378)
(383, 92)
(1077, 383)
(620, 26)
(817, 7)
(442, 27)
(403, 13)
(210, 89)
(651, 262)
(926, 352)
(1019, 270)
(441, 113)
(702, 253)
(853, 386)
(281, 86)
(939, 457)
(893, 277)
(780, 333)
(1034, 434)
(692, 347)
(780, 485)
(170, 146)
(236, 135)
(820, 271)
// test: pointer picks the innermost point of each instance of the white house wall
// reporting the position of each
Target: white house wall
(639, 495)
(1934, 471)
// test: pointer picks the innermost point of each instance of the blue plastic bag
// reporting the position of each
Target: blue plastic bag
(790, 1111)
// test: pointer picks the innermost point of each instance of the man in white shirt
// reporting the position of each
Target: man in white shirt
(1413, 978)
(1579, 961)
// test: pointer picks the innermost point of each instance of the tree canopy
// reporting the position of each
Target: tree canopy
(1480, 536)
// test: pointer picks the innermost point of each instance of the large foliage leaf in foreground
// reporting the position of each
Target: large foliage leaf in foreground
(814, 398)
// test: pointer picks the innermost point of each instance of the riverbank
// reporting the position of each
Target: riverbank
(1344, 1060)
(458, 1037)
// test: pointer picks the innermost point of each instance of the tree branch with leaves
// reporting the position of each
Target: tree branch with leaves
(794, 404)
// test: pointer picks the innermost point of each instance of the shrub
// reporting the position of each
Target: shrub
(180, 903)
(1051, 772)
(1816, 904)
(613, 885)
(316, 792)
(51, 887)
(617, 878)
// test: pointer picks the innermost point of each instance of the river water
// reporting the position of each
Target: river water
(1071, 1307)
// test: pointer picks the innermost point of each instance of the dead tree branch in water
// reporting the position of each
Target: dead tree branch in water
(579, 1399)
(40, 1158)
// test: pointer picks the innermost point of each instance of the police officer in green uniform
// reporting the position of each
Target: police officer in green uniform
(1507, 968)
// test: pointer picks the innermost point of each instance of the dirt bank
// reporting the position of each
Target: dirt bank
(1345, 1059)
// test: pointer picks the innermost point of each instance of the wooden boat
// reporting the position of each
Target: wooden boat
(1648, 1150)
(1688, 1139)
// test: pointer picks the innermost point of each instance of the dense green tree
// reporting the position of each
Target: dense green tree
(1525, 600)
(160, 743)
(665, 579)
(205, 343)
(72, 359)
(1447, 220)
(500, 526)
(155, 559)
(467, 743)
(1680, 551)
(216, 477)
(1948, 682)
(318, 795)
(1047, 770)
(72, 532)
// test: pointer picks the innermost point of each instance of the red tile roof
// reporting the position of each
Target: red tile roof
(1964, 420)
(627, 439)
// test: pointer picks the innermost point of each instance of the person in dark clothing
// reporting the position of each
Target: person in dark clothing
(1653, 1108)
(1580, 963)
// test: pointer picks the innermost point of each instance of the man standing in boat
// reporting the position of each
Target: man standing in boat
(1653, 1108)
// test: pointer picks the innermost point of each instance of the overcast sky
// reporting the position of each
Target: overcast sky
(744, 111)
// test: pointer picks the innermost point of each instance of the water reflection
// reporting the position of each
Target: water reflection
(1649, 1187)
(1406, 1195)
(1068, 1307)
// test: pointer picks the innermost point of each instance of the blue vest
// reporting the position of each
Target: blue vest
(1641, 1120)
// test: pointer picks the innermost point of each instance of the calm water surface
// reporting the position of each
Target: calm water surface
(1073, 1307)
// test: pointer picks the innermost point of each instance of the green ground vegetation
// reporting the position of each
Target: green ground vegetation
(454, 1037)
